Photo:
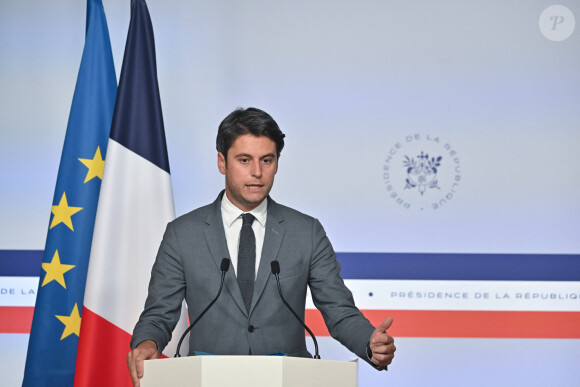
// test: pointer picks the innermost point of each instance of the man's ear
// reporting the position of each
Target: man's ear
(221, 163)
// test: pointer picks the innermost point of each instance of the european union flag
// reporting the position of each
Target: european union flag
(56, 324)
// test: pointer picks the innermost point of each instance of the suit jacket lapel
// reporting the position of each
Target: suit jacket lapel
(215, 237)
(273, 236)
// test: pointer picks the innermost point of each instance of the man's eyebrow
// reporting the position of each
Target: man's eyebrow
(246, 155)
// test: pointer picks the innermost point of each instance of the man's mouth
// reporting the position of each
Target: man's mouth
(254, 186)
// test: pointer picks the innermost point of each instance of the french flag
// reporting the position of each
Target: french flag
(135, 205)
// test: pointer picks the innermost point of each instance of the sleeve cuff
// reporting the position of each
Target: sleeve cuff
(369, 357)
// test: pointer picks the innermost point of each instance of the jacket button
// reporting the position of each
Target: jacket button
(251, 328)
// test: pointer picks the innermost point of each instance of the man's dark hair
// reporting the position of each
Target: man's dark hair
(248, 121)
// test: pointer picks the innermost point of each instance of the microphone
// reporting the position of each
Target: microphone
(276, 271)
(224, 267)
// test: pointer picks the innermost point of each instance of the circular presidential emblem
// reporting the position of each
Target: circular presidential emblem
(422, 172)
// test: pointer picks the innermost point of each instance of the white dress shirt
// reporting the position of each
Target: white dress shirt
(232, 218)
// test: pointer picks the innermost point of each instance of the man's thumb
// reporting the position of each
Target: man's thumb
(385, 325)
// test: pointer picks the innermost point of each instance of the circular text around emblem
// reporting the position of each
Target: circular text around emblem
(421, 172)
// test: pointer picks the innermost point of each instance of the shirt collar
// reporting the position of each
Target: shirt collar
(230, 212)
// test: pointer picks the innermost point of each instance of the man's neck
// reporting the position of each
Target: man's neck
(230, 202)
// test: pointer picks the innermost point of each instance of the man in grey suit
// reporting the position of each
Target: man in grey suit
(249, 317)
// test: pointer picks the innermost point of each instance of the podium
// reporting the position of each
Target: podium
(248, 371)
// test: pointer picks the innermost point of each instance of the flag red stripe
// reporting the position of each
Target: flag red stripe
(16, 319)
(101, 358)
(480, 324)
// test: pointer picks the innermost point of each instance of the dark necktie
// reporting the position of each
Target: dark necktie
(247, 259)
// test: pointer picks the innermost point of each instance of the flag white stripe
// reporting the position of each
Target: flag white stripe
(135, 205)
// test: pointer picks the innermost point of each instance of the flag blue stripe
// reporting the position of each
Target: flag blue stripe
(138, 96)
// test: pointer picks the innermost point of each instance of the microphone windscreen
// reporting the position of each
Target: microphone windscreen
(225, 266)
(275, 267)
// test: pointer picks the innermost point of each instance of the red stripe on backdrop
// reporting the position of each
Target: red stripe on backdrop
(408, 323)
(16, 319)
(113, 346)
(473, 324)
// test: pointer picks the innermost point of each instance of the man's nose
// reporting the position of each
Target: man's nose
(256, 169)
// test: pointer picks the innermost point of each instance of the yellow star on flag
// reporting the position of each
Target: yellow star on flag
(62, 213)
(55, 270)
(72, 323)
(96, 166)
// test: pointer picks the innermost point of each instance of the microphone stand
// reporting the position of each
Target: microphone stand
(225, 265)
(276, 271)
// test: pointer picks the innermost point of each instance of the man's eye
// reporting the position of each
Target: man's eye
(243, 161)
(267, 161)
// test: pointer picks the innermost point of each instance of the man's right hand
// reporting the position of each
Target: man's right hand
(144, 351)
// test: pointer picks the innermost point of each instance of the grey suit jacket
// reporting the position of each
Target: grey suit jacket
(188, 266)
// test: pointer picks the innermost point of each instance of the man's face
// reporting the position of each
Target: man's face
(250, 170)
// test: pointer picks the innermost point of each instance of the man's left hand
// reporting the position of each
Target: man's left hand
(382, 345)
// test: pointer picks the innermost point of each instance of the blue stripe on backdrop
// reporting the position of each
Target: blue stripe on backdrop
(418, 266)
(483, 267)
(20, 263)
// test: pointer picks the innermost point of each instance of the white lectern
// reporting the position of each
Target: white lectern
(248, 371)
